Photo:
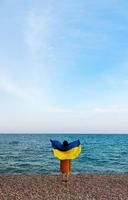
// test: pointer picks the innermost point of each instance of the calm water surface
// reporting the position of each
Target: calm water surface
(32, 153)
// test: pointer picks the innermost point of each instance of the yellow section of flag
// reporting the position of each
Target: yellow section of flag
(70, 154)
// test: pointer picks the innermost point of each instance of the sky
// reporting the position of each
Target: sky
(64, 66)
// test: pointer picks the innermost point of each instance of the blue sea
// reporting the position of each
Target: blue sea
(32, 153)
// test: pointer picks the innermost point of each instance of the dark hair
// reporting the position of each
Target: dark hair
(65, 144)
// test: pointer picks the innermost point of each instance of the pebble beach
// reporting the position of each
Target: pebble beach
(51, 187)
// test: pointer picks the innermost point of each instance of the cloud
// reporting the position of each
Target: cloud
(111, 109)
(8, 86)
(37, 31)
(26, 92)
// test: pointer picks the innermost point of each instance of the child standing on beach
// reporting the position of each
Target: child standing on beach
(65, 165)
(66, 152)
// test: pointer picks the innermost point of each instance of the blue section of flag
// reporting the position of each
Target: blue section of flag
(57, 145)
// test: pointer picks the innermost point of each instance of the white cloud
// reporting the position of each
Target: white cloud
(111, 109)
(23, 92)
(8, 86)
(37, 31)
(56, 109)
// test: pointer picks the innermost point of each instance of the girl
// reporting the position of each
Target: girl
(65, 165)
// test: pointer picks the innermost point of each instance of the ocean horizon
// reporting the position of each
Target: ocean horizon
(32, 153)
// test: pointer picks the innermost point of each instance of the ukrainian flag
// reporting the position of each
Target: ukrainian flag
(71, 152)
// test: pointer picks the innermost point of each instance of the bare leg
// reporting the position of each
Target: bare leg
(63, 176)
(67, 177)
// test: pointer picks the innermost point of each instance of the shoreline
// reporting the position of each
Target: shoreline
(51, 187)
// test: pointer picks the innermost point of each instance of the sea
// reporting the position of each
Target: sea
(32, 154)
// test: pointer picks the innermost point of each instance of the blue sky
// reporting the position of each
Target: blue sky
(64, 66)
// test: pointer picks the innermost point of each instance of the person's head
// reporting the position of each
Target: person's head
(65, 144)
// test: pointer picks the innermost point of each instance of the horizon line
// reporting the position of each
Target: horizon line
(57, 133)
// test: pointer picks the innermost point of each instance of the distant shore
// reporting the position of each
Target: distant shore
(51, 187)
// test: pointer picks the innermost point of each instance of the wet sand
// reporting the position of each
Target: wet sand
(51, 187)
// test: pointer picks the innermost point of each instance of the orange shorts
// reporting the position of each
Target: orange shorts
(65, 166)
